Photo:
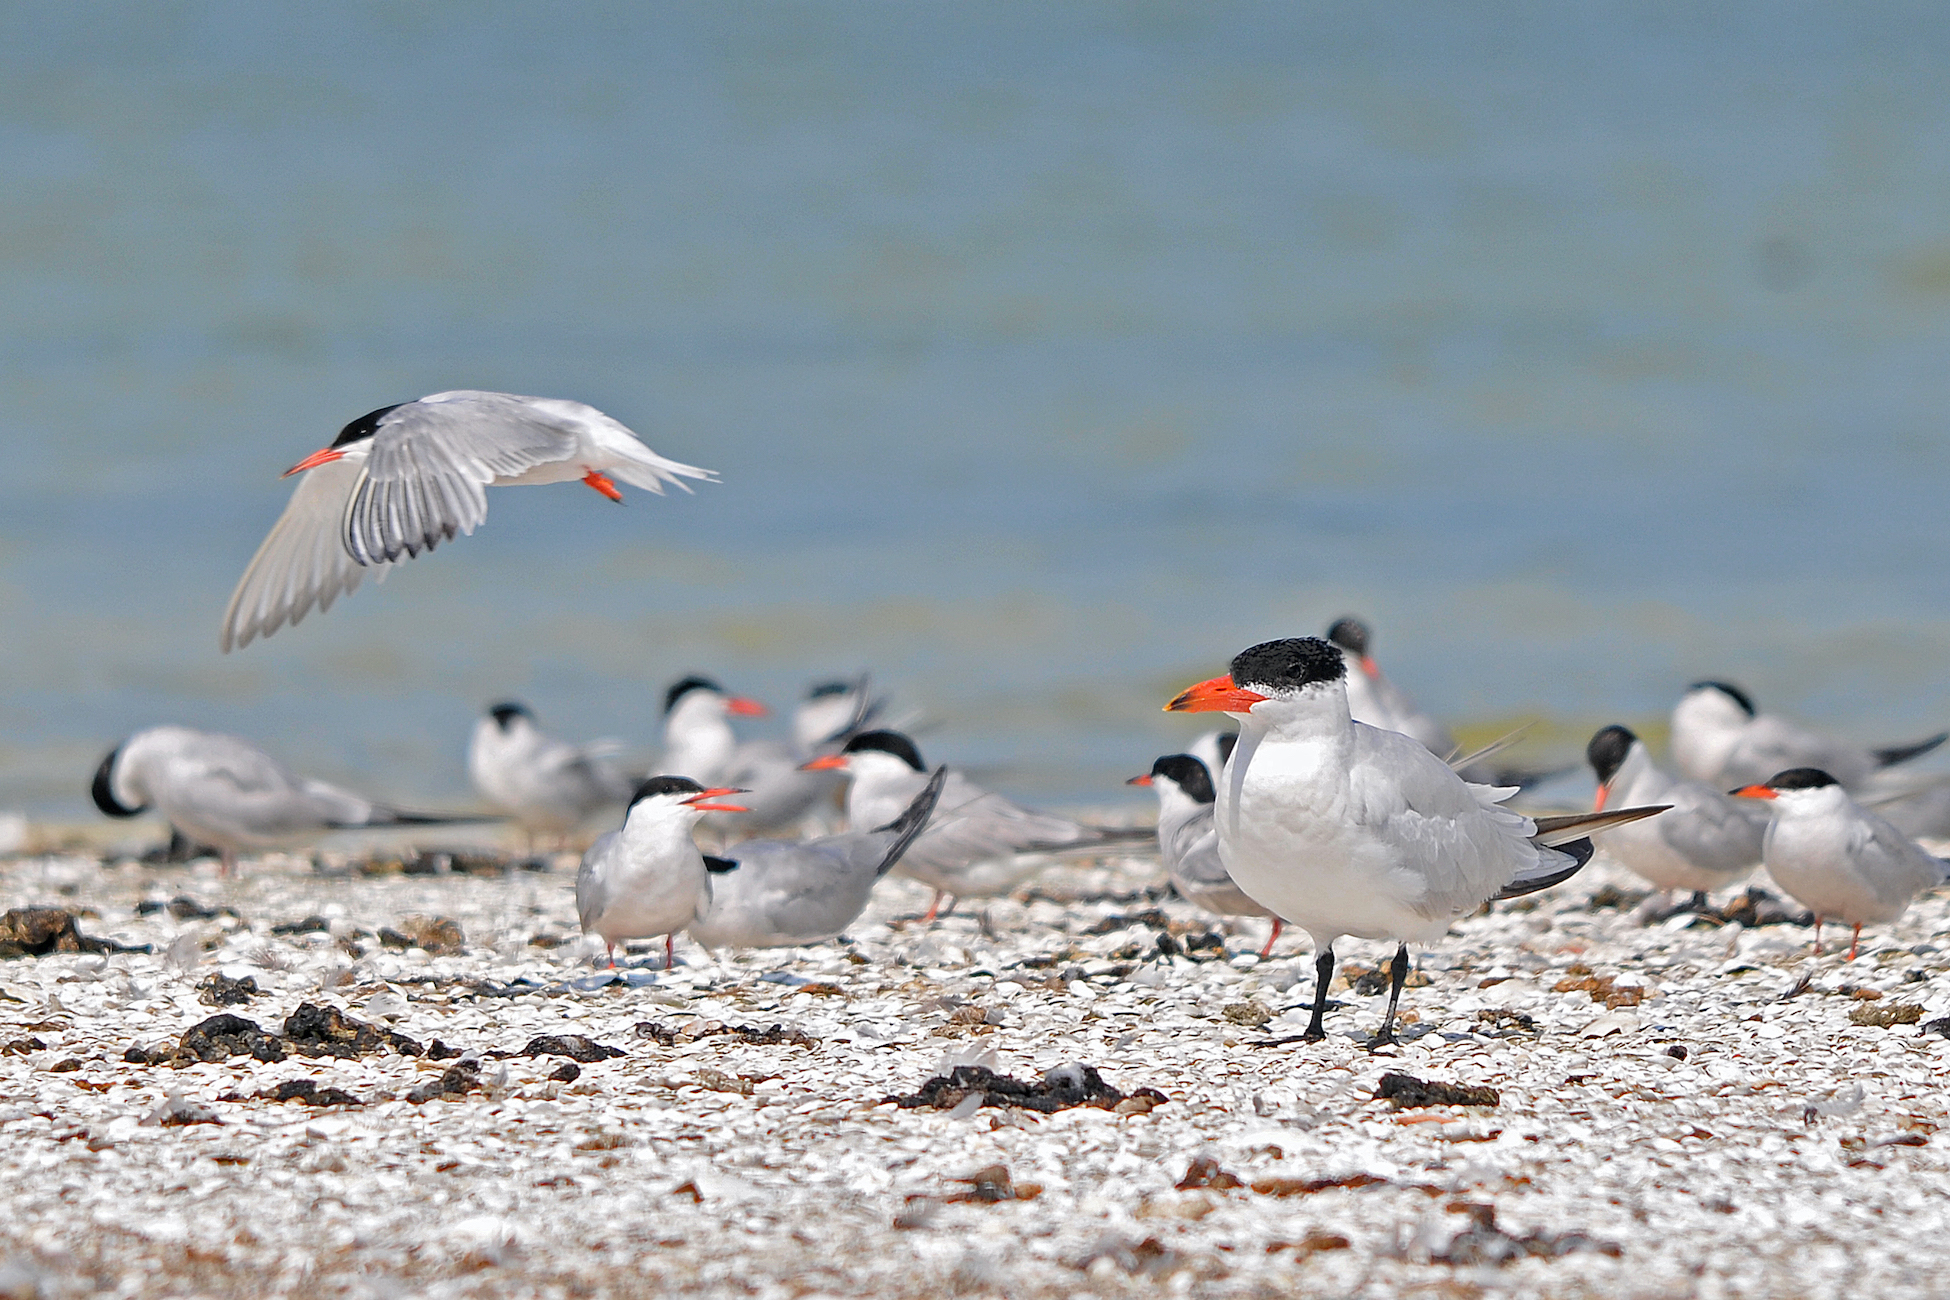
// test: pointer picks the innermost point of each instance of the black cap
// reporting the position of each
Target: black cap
(657, 785)
(887, 742)
(1289, 664)
(1349, 634)
(103, 789)
(1800, 778)
(1732, 692)
(1188, 773)
(1607, 751)
(827, 689)
(365, 426)
(507, 711)
(679, 690)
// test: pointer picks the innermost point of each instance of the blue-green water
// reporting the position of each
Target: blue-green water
(1049, 354)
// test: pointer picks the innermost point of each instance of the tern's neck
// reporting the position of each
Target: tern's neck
(698, 739)
(660, 834)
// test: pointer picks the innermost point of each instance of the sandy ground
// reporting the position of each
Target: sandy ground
(1674, 1118)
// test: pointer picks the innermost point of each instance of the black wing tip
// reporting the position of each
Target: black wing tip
(1895, 754)
(1580, 851)
(719, 866)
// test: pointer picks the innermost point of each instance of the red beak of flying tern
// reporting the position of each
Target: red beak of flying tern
(323, 456)
(694, 800)
(825, 763)
(744, 707)
(1140, 780)
(1755, 792)
(1218, 695)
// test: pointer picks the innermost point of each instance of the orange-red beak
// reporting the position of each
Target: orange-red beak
(1369, 666)
(824, 763)
(1217, 695)
(696, 800)
(323, 456)
(600, 481)
(1604, 793)
(1140, 780)
(744, 707)
(1755, 792)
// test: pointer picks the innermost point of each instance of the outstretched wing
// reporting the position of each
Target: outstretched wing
(303, 562)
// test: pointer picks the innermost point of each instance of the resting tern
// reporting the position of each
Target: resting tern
(1373, 699)
(1719, 738)
(1189, 842)
(831, 712)
(700, 743)
(548, 785)
(1707, 840)
(783, 893)
(404, 478)
(648, 878)
(1343, 828)
(979, 844)
(1835, 856)
(227, 793)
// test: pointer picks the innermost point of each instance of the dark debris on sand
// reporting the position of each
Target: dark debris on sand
(776, 1036)
(307, 1091)
(219, 990)
(38, 931)
(1405, 1090)
(310, 1030)
(438, 936)
(573, 1046)
(1482, 1242)
(1058, 1089)
(459, 1079)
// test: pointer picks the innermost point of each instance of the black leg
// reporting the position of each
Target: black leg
(1323, 976)
(1699, 903)
(1397, 978)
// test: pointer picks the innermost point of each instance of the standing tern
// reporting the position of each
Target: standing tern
(1718, 737)
(1836, 857)
(783, 893)
(548, 785)
(979, 844)
(1343, 828)
(699, 743)
(404, 478)
(648, 878)
(698, 739)
(1707, 840)
(1188, 841)
(227, 793)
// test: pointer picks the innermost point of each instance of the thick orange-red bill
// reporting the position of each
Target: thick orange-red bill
(600, 481)
(824, 763)
(1756, 792)
(1140, 780)
(746, 707)
(323, 456)
(1604, 793)
(1370, 667)
(696, 800)
(1217, 695)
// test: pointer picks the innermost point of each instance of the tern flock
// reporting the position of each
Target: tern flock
(1337, 806)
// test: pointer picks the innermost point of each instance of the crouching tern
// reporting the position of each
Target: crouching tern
(1347, 829)
(227, 793)
(783, 893)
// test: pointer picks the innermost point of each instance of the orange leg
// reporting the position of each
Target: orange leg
(670, 952)
(1817, 936)
(600, 481)
(935, 906)
(1272, 938)
(1854, 942)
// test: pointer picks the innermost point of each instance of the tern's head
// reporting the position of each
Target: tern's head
(679, 795)
(104, 791)
(869, 754)
(1277, 678)
(1796, 789)
(1607, 753)
(1351, 636)
(508, 712)
(1181, 773)
(703, 695)
(829, 711)
(1716, 702)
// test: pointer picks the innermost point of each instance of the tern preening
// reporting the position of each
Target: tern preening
(1720, 738)
(1343, 828)
(227, 793)
(548, 785)
(402, 479)
(1188, 841)
(648, 878)
(979, 844)
(783, 893)
(1836, 857)
(1707, 840)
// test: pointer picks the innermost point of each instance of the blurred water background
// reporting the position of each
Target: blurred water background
(1050, 354)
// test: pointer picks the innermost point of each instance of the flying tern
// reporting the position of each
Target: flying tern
(1707, 840)
(1837, 858)
(783, 893)
(227, 793)
(1347, 829)
(979, 844)
(648, 878)
(1189, 842)
(1718, 737)
(548, 785)
(404, 478)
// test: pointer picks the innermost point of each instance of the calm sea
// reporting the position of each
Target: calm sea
(1050, 354)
